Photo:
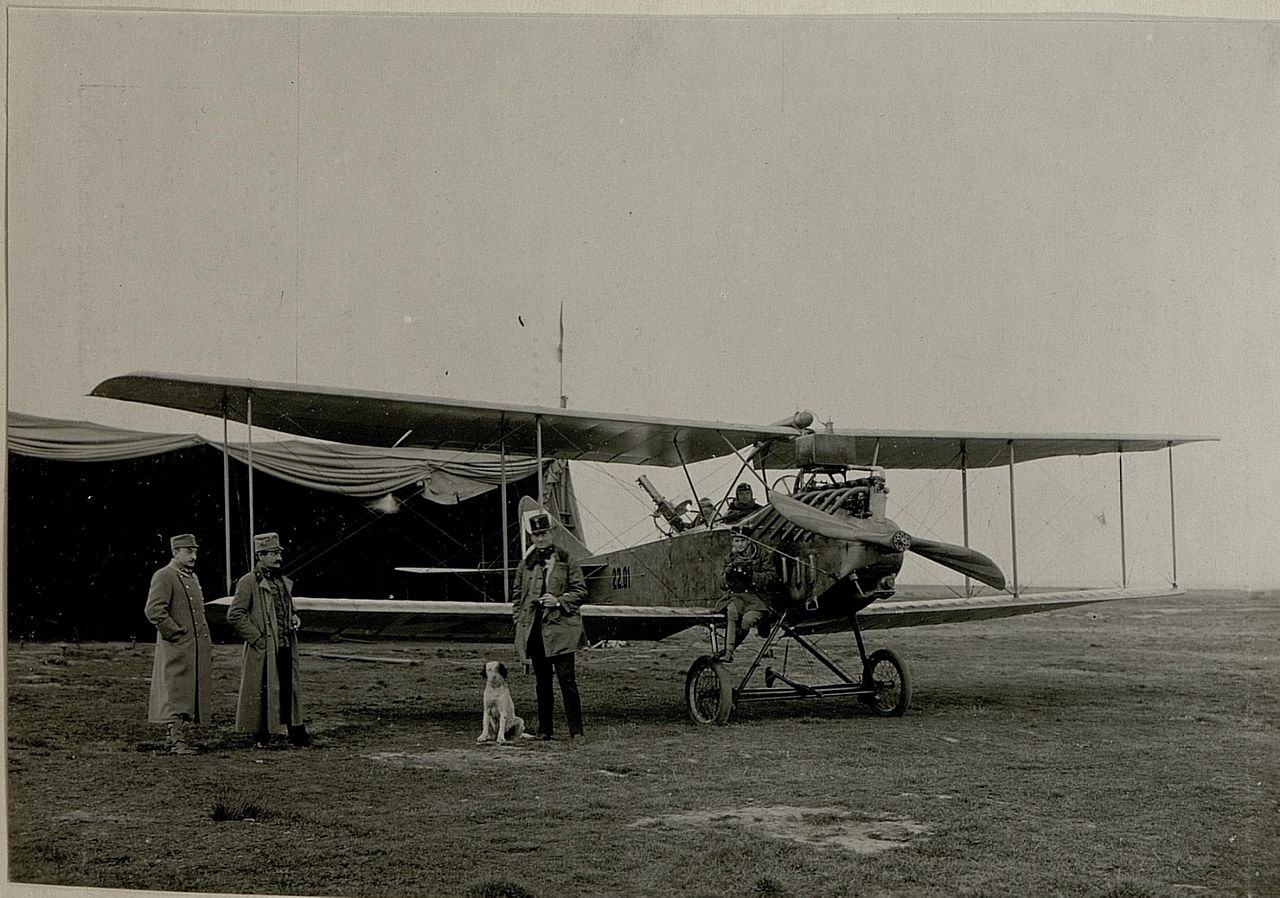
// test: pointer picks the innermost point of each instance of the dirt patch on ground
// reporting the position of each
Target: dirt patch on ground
(819, 827)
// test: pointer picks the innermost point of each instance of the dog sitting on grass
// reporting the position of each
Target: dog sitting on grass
(501, 724)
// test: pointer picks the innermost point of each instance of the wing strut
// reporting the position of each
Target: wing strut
(506, 534)
(248, 398)
(1173, 521)
(693, 490)
(746, 463)
(1124, 565)
(964, 504)
(1013, 522)
(226, 496)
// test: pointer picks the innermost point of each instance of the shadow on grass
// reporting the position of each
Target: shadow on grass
(237, 808)
(1127, 890)
(768, 887)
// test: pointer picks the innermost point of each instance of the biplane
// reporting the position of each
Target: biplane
(835, 551)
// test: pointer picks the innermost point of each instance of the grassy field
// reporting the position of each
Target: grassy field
(1129, 750)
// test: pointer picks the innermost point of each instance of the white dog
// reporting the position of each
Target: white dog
(500, 721)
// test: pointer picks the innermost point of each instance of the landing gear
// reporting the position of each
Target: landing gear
(885, 675)
(708, 692)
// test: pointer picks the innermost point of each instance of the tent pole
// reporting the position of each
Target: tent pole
(1013, 521)
(1124, 561)
(1173, 522)
(248, 398)
(506, 542)
(538, 423)
(964, 504)
(226, 496)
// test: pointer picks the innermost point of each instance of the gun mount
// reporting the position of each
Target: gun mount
(674, 516)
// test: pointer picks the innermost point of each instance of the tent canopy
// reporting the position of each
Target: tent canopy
(110, 498)
(361, 471)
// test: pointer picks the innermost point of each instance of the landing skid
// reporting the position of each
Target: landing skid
(710, 695)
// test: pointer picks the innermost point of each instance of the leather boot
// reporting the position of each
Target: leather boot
(731, 641)
(176, 738)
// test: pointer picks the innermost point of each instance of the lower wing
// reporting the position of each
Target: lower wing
(919, 612)
(477, 621)
(492, 621)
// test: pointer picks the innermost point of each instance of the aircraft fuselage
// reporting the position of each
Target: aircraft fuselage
(821, 578)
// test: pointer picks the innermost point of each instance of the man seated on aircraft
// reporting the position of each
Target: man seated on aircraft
(742, 504)
(750, 582)
(706, 515)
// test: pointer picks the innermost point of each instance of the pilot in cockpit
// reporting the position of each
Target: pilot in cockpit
(707, 514)
(742, 504)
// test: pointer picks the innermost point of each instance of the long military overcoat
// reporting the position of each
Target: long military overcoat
(181, 681)
(561, 627)
(254, 621)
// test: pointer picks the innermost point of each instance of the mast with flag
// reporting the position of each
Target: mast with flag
(564, 400)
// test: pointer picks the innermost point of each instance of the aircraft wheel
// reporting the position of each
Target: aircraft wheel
(708, 693)
(887, 674)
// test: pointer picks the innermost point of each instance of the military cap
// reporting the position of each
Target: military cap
(539, 523)
(266, 542)
(183, 541)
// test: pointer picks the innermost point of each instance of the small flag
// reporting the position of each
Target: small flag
(560, 348)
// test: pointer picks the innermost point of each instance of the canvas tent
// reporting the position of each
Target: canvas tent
(90, 510)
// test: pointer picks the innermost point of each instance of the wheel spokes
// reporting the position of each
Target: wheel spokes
(888, 687)
(707, 694)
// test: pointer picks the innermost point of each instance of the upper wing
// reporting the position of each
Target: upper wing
(393, 419)
(907, 449)
(917, 612)
(390, 419)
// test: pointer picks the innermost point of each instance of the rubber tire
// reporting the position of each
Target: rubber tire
(713, 703)
(897, 670)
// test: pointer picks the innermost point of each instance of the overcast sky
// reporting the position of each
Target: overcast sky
(996, 224)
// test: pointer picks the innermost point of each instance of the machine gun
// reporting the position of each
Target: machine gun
(669, 512)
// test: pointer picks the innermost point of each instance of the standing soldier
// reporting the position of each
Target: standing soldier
(548, 589)
(180, 677)
(263, 616)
